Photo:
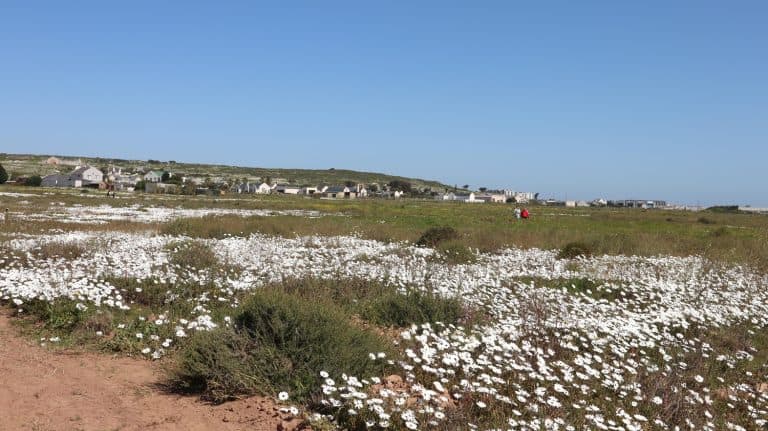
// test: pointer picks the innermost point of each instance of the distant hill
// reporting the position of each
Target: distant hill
(31, 164)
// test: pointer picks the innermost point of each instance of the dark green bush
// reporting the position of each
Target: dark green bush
(436, 235)
(34, 181)
(277, 342)
(574, 249)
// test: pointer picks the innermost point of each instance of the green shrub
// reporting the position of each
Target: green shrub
(34, 181)
(574, 249)
(704, 220)
(415, 306)
(377, 302)
(61, 314)
(436, 235)
(277, 342)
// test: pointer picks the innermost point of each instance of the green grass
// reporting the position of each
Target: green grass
(730, 238)
(725, 237)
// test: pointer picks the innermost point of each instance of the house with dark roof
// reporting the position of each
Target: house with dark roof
(82, 176)
(340, 192)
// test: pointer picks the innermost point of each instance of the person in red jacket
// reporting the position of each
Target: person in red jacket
(525, 214)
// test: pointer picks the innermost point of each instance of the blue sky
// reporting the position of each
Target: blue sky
(651, 100)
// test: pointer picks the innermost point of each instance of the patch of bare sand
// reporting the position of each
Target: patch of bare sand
(42, 390)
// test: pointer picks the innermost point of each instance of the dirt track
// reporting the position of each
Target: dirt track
(42, 389)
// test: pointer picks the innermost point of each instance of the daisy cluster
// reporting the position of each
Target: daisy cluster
(629, 353)
(102, 214)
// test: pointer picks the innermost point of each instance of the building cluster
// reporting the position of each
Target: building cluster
(326, 191)
(496, 196)
(90, 177)
(155, 181)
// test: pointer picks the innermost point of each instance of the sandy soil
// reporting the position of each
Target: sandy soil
(42, 389)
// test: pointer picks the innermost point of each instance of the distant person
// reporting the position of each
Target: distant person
(524, 213)
(517, 213)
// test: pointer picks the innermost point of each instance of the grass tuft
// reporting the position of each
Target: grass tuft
(574, 249)
(437, 235)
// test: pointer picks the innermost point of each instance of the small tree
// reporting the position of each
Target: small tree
(400, 185)
(3, 175)
(34, 181)
(483, 189)
(165, 177)
(140, 186)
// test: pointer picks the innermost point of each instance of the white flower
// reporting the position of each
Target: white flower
(282, 396)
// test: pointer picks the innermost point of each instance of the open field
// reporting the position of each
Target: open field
(575, 319)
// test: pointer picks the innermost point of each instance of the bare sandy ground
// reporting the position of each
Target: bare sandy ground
(41, 389)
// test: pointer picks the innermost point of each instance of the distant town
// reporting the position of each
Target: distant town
(113, 178)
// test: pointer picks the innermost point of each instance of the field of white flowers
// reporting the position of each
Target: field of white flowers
(628, 350)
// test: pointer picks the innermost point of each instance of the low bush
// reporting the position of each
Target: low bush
(436, 235)
(574, 249)
(704, 220)
(62, 314)
(277, 342)
(59, 250)
(456, 253)
(379, 303)
(192, 254)
(413, 307)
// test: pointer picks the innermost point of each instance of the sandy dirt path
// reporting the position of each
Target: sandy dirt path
(42, 390)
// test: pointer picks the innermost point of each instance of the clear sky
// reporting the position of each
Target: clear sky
(577, 99)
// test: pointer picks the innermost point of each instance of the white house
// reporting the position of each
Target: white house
(153, 176)
(394, 194)
(520, 197)
(495, 198)
(340, 192)
(308, 190)
(87, 175)
(362, 192)
(470, 198)
(82, 176)
(287, 189)
(264, 189)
